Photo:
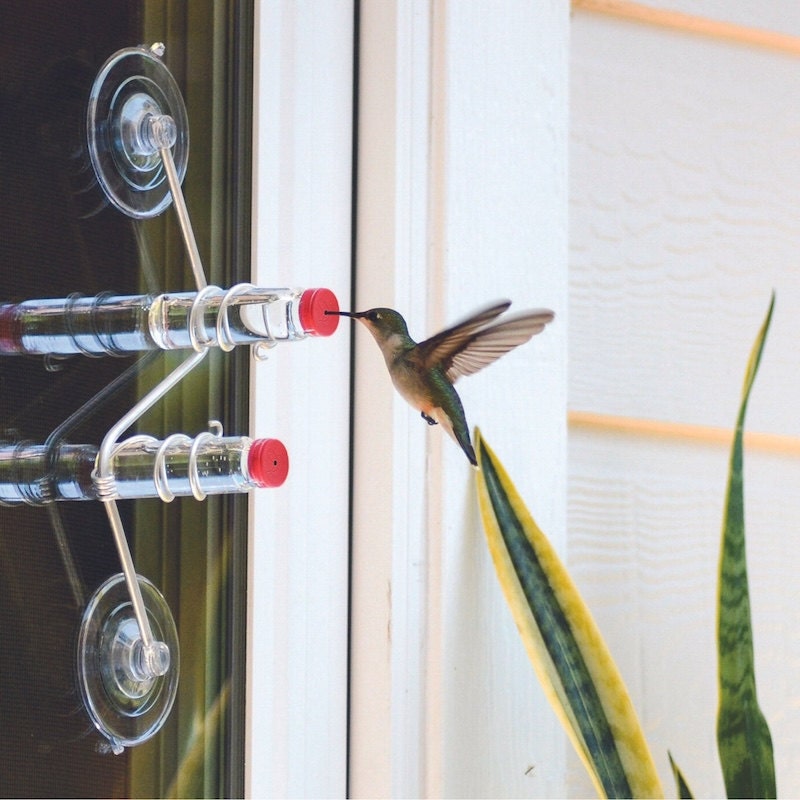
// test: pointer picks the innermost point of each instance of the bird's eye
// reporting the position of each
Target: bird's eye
(373, 316)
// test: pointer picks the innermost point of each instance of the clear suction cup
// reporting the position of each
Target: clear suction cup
(128, 688)
(135, 109)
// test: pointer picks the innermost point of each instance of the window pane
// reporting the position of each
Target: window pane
(60, 236)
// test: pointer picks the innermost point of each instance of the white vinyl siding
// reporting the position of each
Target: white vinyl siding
(684, 199)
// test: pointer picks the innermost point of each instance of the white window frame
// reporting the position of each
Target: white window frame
(462, 198)
(298, 548)
(462, 133)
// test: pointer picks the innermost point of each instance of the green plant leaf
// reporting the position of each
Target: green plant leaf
(563, 642)
(684, 792)
(743, 737)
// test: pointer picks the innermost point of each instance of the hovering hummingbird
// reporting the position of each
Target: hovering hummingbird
(424, 372)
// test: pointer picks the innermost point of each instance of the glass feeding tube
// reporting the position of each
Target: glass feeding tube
(143, 466)
(112, 325)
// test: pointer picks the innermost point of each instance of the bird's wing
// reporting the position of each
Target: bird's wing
(488, 344)
(440, 348)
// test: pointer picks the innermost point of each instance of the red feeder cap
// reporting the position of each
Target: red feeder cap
(313, 305)
(268, 463)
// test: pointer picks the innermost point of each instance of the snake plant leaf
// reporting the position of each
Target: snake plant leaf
(684, 792)
(743, 738)
(563, 642)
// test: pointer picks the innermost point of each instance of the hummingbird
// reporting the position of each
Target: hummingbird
(424, 372)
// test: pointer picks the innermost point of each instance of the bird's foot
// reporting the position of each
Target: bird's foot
(430, 420)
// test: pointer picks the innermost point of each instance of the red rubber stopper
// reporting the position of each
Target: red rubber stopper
(268, 463)
(313, 305)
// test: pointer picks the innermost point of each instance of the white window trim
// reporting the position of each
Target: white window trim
(298, 548)
(462, 199)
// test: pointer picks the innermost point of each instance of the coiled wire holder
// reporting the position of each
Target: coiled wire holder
(128, 648)
(160, 475)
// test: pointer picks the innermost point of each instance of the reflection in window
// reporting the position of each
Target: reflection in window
(58, 236)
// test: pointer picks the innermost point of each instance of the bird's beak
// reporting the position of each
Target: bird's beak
(351, 314)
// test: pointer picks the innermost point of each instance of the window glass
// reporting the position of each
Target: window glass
(60, 238)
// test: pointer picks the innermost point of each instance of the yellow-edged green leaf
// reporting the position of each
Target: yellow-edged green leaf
(743, 737)
(684, 792)
(563, 642)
